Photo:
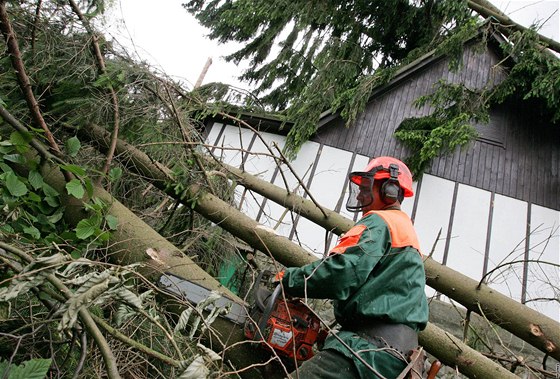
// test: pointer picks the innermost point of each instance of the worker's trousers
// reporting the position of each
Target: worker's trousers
(327, 364)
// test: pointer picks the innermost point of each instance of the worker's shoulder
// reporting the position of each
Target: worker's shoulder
(373, 219)
(388, 216)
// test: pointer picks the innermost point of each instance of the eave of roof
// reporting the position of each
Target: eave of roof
(262, 122)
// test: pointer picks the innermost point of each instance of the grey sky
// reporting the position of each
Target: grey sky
(169, 38)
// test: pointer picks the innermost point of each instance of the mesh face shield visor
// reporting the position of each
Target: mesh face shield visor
(360, 190)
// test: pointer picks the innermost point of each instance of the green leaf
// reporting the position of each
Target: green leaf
(4, 365)
(20, 138)
(35, 179)
(112, 222)
(115, 174)
(89, 186)
(7, 229)
(52, 201)
(32, 231)
(32, 369)
(16, 187)
(6, 149)
(75, 188)
(75, 254)
(73, 145)
(34, 197)
(100, 204)
(54, 218)
(16, 158)
(5, 167)
(86, 228)
(103, 236)
(49, 191)
(73, 169)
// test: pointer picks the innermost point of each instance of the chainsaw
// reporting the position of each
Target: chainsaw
(285, 325)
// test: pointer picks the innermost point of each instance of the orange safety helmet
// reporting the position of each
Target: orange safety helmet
(397, 185)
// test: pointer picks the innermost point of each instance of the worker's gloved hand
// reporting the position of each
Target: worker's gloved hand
(278, 277)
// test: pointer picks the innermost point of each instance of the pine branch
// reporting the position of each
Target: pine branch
(38, 146)
(23, 79)
(185, 135)
(103, 70)
(35, 23)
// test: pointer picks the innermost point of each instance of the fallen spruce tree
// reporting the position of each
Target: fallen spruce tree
(531, 326)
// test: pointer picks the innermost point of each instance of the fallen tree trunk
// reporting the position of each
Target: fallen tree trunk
(505, 24)
(133, 238)
(533, 327)
(134, 241)
(288, 253)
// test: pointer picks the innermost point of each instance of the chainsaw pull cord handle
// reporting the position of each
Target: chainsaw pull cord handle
(261, 326)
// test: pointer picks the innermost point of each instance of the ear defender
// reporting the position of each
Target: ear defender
(391, 190)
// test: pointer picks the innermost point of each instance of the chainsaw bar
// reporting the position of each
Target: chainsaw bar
(195, 293)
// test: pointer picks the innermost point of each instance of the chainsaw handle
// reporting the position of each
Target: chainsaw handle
(434, 369)
(261, 326)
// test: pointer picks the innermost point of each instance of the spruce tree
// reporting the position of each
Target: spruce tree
(311, 56)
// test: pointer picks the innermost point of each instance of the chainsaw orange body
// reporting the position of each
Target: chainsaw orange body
(288, 327)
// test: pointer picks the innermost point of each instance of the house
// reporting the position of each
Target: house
(490, 211)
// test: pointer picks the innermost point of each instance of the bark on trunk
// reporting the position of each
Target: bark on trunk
(284, 251)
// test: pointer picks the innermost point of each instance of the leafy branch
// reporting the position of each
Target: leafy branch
(84, 315)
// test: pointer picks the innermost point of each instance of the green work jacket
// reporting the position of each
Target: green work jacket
(374, 273)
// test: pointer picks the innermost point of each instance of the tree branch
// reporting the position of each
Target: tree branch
(85, 316)
(506, 24)
(135, 344)
(23, 79)
(103, 70)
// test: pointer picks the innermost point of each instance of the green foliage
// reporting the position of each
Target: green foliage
(155, 113)
(31, 369)
(32, 208)
(324, 48)
(535, 75)
(456, 107)
(74, 187)
(453, 45)
(73, 145)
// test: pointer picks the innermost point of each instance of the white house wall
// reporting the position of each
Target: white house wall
(432, 214)
(262, 165)
(276, 216)
(507, 244)
(544, 243)
(460, 214)
(467, 242)
(326, 188)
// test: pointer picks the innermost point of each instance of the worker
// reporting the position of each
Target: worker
(375, 275)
